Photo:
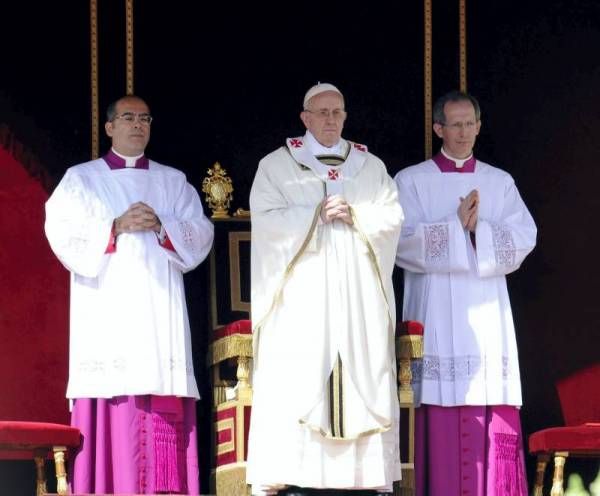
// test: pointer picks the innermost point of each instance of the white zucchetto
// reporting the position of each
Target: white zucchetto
(320, 88)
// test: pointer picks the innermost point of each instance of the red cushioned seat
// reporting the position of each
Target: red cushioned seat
(238, 327)
(577, 438)
(410, 328)
(580, 405)
(29, 436)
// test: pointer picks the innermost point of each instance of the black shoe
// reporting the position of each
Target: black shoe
(307, 491)
(303, 491)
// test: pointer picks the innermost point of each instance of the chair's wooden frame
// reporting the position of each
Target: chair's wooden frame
(40, 455)
(560, 460)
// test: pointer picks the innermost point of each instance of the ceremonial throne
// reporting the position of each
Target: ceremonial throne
(230, 349)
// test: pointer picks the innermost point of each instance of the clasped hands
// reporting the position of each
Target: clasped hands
(335, 207)
(468, 210)
(138, 217)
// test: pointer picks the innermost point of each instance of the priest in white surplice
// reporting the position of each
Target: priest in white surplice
(127, 228)
(325, 223)
(466, 227)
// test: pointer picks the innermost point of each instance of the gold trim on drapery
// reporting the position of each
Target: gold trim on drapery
(129, 47)
(462, 40)
(95, 117)
(427, 93)
(336, 400)
(230, 346)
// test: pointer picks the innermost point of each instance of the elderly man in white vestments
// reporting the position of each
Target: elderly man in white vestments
(325, 223)
(127, 228)
(466, 227)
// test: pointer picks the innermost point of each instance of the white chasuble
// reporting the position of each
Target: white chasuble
(456, 285)
(129, 329)
(322, 295)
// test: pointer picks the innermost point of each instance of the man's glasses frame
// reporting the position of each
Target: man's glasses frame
(130, 117)
(461, 125)
(337, 114)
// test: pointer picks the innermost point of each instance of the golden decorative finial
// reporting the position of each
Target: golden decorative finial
(219, 191)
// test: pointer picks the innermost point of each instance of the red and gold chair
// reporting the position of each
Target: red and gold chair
(231, 353)
(35, 441)
(579, 437)
(409, 347)
(230, 345)
(231, 349)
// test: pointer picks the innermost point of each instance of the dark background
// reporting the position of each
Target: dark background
(225, 82)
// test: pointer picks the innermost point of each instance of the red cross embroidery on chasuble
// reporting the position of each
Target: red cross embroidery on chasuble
(296, 143)
(333, 174)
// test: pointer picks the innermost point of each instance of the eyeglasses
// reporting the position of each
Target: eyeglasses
(130, 117)
(337, 114)
(455, 126)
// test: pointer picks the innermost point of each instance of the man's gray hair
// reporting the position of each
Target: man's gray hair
(453, 96)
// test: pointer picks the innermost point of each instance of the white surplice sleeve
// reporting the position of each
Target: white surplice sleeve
(188, 229)
(78, 225)
(503, 244)
(425, 246)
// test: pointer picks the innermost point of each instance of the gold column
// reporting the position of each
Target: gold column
(129, 48)
(94, 77)
(427, 79)
(462, 40)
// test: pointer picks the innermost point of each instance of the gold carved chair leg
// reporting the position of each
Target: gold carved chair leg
(540, 471)
(559, 468)
(40, 461)
(61, 472)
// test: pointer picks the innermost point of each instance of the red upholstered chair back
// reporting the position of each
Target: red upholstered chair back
(33, 325)
(579, 396)
(34, 301)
